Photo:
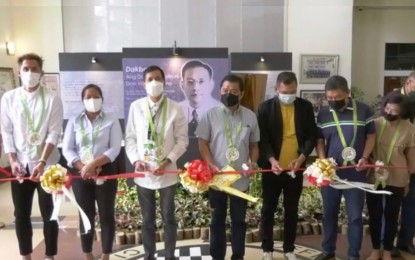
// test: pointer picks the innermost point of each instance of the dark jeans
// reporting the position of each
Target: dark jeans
(22, 194)
(354, 207)
(384, 214)
(147, 199)
(219, 203)
(86, 193)
(407, 230)
(272, 187)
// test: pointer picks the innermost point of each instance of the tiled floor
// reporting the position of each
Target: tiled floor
(69, 243)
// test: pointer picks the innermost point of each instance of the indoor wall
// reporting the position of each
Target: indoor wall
(375, 24)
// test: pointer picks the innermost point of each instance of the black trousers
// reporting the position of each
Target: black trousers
(86, 193)
(22, 195)
(272, 187)
(390, 211)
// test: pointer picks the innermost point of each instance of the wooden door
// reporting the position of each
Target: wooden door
(392, 83)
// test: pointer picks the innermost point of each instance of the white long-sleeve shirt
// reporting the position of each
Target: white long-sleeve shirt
(175, 139)
(107, 141)
(15, 128)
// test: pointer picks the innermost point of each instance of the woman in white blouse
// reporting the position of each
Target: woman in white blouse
(91, 143)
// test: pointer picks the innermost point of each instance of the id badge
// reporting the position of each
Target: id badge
(149, 151)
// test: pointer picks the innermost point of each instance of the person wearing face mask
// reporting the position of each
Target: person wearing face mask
(229, 135)
(31, 123)
(395, 146)
(91, 143)
(288, 136)
(407, 223)
(156, 136)
(346, 133)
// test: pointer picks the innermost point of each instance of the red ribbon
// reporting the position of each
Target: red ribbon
(200, 172)
(107, 177)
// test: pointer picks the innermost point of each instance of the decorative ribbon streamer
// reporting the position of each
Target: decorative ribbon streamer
(85, 220)
(359, 185)
(57, 199)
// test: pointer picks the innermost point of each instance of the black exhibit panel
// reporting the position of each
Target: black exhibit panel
(93, 61)
(172, 52)
(103, 69)
(261, 61)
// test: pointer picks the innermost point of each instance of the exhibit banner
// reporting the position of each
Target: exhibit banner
(111, 83)
(78, 70)
(192, 82)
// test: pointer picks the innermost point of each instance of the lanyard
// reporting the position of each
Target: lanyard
(231, 142)
(95, 132)
(339, 129)
(392, 143)
(29, 117)
(158, 139)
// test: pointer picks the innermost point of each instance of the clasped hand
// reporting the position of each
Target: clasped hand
(143, 166)
(89, 171)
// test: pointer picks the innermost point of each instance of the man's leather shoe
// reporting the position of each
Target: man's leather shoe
(326, 256)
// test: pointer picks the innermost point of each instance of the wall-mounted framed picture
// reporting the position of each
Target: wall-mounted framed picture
(316, 97)
(7, 81)
(51, 81)
(316, 69)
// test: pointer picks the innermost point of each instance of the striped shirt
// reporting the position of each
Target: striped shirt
(327, 130)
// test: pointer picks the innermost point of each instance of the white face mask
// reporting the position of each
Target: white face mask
(287, 98)
(30, 79)
(154, 88)
(93, 104)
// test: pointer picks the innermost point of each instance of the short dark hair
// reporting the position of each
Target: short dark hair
(153, 68)
(336, 82)
(286, 77)
(30, 56)
(402, 101)
(196, 64)
(91, 86)
(233, 78)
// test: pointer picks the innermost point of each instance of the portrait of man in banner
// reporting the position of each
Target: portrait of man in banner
(197, 84)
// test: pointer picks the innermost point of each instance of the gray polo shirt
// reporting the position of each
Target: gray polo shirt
(212, 129)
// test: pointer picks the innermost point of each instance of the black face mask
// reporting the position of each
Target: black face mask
(337, 104)
(391, 118)
(229, 100)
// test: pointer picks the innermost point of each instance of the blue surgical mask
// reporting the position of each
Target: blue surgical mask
(287, 98)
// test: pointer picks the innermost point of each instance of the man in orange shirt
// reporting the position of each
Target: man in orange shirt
(288, 135)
